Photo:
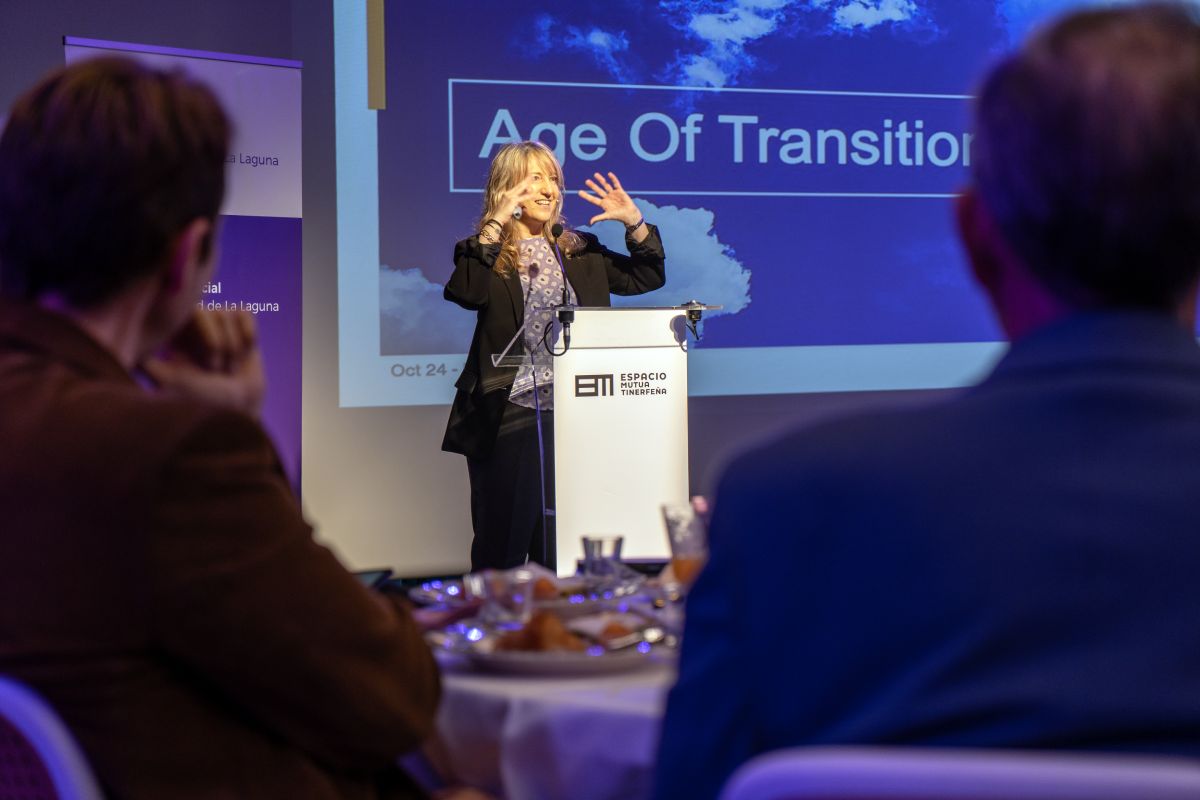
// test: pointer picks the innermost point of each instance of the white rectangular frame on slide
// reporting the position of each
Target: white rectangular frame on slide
(620, 429)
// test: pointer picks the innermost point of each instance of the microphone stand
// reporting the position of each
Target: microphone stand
(547, 512)
(566, 315)
(565, 311)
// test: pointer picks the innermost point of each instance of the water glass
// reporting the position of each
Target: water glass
(507, 595)
(602, 555)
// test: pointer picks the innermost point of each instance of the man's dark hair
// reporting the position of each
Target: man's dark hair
(102, 164)
(1087, 152)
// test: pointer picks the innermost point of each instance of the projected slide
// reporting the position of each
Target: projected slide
(800, 159)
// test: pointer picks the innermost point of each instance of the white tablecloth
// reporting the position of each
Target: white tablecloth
(538, 738)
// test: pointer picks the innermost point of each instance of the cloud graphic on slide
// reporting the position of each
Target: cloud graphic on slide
(699, 266)
(866, 14)
(725, 29)
(605, 47)
(414, 318)
(724, 34)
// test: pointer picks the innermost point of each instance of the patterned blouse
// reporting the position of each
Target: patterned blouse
(542, 285)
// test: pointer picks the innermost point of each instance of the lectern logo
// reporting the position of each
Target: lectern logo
(638, 384)
(593, 385)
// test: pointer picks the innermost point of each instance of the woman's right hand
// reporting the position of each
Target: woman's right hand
(511, 199)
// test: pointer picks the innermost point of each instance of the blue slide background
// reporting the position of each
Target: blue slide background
(799, 254)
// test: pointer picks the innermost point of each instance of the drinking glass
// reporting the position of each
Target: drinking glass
(507, 595)
(688, 537)
(602, 555)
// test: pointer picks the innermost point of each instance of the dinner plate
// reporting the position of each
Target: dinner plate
(447, 593)
(595, 661)
(576, 597)
(573, 606)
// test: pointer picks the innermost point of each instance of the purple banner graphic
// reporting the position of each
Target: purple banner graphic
(259, 271)
(260, 240)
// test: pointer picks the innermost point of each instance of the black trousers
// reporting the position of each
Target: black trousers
(506, 494)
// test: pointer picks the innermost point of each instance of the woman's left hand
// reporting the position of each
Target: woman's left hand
(612, 200)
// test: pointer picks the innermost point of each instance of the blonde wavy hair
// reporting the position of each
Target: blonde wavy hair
(509, 167)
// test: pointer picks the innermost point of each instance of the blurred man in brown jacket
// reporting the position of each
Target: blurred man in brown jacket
(158, 584)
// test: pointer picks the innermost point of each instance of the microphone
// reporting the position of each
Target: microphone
(556, 231)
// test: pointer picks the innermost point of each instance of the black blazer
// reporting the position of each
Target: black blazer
(594, 272)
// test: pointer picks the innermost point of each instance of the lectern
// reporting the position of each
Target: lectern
(620, 428)
(620, 423)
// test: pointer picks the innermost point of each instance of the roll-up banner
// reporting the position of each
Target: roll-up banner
(260, 228)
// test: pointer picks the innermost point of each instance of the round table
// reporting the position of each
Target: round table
(539, 738)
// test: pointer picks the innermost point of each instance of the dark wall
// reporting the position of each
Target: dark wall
(31, 31)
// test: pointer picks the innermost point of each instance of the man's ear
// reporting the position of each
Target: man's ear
(189, 252)
(979, 236)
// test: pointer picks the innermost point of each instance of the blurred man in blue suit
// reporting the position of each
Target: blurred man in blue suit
(1017, 566)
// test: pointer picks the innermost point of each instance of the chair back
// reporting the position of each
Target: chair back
(39, 759)
(910, 773)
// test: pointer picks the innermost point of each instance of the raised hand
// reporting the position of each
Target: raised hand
(512, 199)
(610, 197)
(214, 358)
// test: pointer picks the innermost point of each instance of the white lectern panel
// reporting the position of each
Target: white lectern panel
(620, 429)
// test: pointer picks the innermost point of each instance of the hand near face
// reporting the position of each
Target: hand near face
(525, 192)
(610, 197)
(215, 357)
